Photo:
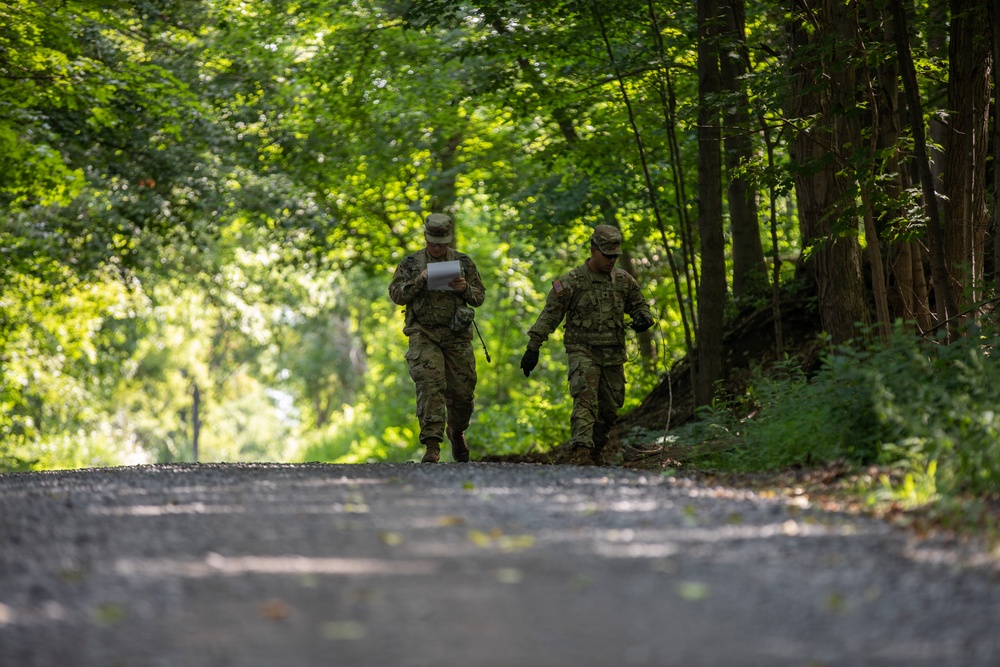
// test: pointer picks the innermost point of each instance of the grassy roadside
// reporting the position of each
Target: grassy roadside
(908, 431)
(838, 486)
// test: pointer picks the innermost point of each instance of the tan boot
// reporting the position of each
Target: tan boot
(597, 456)
(582, 456)
(459, 447)
(433, 453)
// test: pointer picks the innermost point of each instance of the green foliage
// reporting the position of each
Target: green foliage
(203, 203)
(812, 421)
(238, 179)
(529, 422)
(925, 408)
(50, 338)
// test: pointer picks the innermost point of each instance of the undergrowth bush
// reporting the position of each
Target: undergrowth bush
(928, 408)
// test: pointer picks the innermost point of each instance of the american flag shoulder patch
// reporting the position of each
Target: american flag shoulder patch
(557, 286)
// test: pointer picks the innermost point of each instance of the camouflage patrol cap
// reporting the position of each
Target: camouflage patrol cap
(438, 228)
(607, 239)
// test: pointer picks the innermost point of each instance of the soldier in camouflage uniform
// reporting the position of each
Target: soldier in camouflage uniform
(593, 299)
(439, 328)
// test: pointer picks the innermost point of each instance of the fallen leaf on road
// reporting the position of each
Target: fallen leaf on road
(835, 602)
(509, 575)
(355, 508)
(479, 538)
(693, 590)
(690, 520)
(516, 542)
(344, 630)
(496, 538)
(275, 610)
(108, 613)
(391, 539)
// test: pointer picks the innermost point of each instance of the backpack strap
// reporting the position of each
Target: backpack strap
(408, 312)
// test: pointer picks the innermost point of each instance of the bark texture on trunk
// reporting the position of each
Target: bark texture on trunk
(967, 146)
(825, 89)
(712, 290)
(749, 268)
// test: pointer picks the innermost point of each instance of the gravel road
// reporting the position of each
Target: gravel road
(476, 564)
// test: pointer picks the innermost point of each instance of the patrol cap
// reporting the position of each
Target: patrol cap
(607, 239)
(438, 228)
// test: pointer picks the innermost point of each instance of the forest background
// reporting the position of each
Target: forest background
(203, 202)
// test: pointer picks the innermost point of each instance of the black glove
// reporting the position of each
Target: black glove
(641, 322)
(529, 361)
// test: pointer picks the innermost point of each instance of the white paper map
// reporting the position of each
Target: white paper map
(439, 274)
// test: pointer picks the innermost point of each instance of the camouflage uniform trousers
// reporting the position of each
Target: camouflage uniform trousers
(445, 376)
(598, 391)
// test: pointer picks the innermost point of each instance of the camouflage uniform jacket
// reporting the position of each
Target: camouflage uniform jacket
(430, 311)
(594, 306)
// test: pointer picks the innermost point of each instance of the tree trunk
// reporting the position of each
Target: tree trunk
(867, 179)
(908, 296)
(712, 290)
(995, 24)
(825, 89)
(779, 337)
(936, 48)
(967, 146)
(749, 268)
(944, 299)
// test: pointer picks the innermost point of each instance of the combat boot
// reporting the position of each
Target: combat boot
(597, 456)
(582, 456)
(459, 447)
(433, 453)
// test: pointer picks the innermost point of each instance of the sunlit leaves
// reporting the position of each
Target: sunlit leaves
(50, 338)
(249, 173)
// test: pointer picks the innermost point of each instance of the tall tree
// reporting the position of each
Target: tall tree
(749, 269)
(970, 61)
(712, 290)
(824, 90)
(907, 276)
(944, 299)
(995, 25)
